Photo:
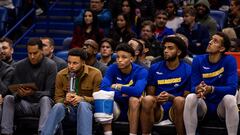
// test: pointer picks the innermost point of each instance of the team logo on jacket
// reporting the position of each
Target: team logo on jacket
(206, 68)
(176, 85)
(159, 73)
(118, 78)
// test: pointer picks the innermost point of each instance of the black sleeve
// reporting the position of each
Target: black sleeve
(6, 78)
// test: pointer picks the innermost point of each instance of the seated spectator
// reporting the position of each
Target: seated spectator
(197, 34)
(234, 16)
(8, 4)
(145, 9)
(128, 10)
(147, 34)
(6, 73)
(235, 47)
(121, 32)
(174, 21)
(214, 83)
(25, 101)
(48, 49)
(202, 15)
(7, 50)
(138, 48)
(87, 30)
(230, 33)
(74, 104)
(161, 18)
(187, 58)
(168, 81)
(104, 15)
(92, 47)
(144, 58)
(140, 11)
(107, 47)
(128, 81)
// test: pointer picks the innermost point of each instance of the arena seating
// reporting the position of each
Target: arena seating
(58, 24)
(217, 15)
(3, 20)
(220, 18)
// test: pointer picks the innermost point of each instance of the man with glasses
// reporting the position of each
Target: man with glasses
(214, 83)
(91, 47)
(147, 34)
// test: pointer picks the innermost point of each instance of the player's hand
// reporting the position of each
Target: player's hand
(200, 89)
(116, 86)
(69, 97)
(163, 97)
(76, 99)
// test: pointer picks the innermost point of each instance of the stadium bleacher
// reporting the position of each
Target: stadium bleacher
(3, 21)
(220, 18)
(18, 7)
(58, 23)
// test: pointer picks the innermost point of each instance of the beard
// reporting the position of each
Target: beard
(170, 58)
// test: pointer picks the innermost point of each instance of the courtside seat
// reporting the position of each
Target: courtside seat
(220, 18)
(26, 125)
(62, 54)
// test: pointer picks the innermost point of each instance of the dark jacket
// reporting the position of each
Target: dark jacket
(42, 74)
(121, 37)
(80, 35)
(61, 64)
(207, 20)
(198, 38)
(6, 73)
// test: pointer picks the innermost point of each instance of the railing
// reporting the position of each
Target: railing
(14, 28)
(18, 24)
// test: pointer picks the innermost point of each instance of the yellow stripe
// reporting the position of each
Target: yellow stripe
(169, 81)
(129, 84)
(213, 74)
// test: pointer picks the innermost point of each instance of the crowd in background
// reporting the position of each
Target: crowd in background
(138, 31)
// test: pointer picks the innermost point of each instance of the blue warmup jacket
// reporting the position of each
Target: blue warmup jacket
(222, 75)
(134, 83)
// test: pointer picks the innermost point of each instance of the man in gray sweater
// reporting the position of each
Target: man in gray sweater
(26, 101)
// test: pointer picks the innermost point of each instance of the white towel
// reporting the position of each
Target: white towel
(99, 116)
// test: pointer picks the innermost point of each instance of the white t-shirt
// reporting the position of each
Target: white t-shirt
(174, 23)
